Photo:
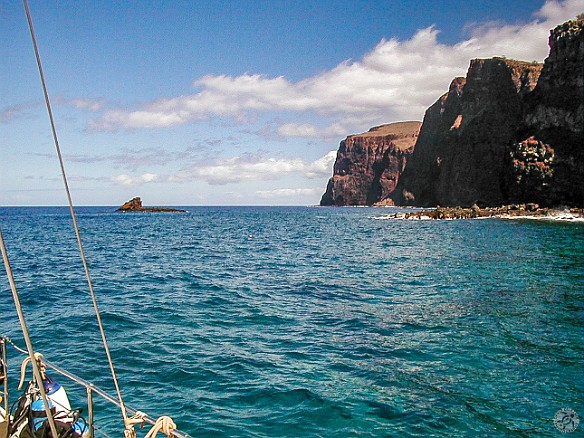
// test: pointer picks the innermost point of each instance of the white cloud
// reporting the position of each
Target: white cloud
(397, 80)
(238, 169)
(298, 130)
(311, 131)
(560, 11)
(288, 193)
(324, 165)
(19, 111)
(25, 110)
(255, 168)
(128, 180)
(88, 104)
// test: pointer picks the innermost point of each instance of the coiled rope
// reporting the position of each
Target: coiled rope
(163, 424)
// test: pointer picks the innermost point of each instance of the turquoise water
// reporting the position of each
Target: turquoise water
(289, 321)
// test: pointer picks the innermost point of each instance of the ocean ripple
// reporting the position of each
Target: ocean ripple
(262, 322)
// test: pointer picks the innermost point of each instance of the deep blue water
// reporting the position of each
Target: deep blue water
(289, 321)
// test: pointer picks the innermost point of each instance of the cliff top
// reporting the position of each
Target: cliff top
(509, 61)
(403, 133)
(572, 27)
(397, 128)
(524, 74)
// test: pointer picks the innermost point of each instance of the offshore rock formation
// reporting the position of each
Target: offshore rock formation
(511, 132)
(134, 205)
(369, 165)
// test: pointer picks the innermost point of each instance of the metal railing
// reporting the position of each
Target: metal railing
(91, 389)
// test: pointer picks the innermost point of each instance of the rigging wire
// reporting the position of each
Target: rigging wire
(72, 212)
(25, 333)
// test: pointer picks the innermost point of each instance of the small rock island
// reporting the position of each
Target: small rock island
(134, 205)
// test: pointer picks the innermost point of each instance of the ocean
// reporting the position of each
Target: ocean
(306, 321)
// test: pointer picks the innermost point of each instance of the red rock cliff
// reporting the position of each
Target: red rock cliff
(369, 165)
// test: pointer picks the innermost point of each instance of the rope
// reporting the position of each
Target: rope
(72, 211)
(137, 418)
(42, 368)
(163, 424)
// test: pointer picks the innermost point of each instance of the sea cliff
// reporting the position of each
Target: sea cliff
(461, 152)
(510, 132)
(368, 166)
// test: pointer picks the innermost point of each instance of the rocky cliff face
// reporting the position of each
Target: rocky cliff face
(547, 163)
(460, 153)
(369, 165)
(510, 132)
(557, 100)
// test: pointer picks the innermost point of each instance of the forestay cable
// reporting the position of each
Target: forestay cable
(72, 211)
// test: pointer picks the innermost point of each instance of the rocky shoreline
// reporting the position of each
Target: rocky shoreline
(506, 211)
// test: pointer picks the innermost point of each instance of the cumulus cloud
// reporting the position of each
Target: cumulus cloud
(238, 169)
(324, 165)
(254, 168)
(397, 80)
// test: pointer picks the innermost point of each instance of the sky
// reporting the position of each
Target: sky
(225, 102)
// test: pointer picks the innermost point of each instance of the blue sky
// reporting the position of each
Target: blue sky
(230, 103)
